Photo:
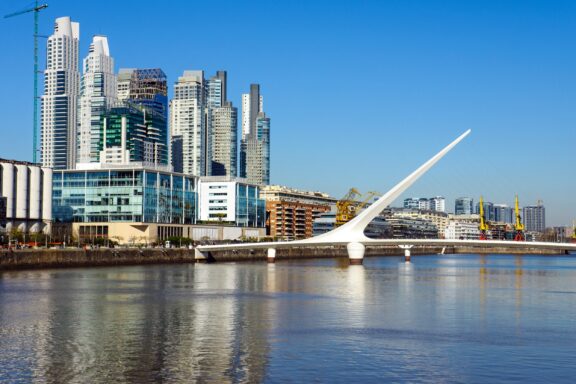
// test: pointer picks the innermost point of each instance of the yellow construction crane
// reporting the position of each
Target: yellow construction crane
(352, 203)
(518, 225)
(483, 224)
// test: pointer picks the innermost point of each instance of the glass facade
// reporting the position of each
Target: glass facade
(124, 195)
(250, 209)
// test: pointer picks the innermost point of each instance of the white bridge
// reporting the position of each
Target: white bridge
(352, 235)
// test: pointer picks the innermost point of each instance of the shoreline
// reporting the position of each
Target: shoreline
(29, 259)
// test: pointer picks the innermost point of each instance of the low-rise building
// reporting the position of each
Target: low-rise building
(27, 189)
(462, 230)
(291, 212)
(128, 204)
(231, 201)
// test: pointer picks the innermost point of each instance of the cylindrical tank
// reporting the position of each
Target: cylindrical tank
(47, 194)
(35, 193)
(8, 188)
(22, 191)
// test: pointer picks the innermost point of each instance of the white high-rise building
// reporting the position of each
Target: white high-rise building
(187, 124)
(59, 102)
(248, 119)
(97, 92)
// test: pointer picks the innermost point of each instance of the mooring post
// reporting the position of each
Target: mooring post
(271, 255)
(356, 253)
(406, 249)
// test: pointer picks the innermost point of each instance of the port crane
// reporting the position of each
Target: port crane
(518, 225)
(36, 9)
(351, 204)
(483, 224)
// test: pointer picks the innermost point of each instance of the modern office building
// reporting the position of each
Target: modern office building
(437, 203)
(59, 103)
(126, 204)
(26, 189)
(255, 143)
(464, 206)
(97, 93)
(188, 125)
(488, 210)
(503, 214)
(231, 201)
(535, 217)
(132, 133)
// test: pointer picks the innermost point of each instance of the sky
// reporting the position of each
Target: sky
(360, 93)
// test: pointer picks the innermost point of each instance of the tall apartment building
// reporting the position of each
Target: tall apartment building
(97, 93)
(488, 210)
(187, 124)
(145, 87)
(503, 213)
(464, 206)
(59, 102)
(437, 203)
(222, 129)
(535, 217)
(255, 144)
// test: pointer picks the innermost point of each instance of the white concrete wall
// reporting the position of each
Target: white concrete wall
(8, 188)
(47, 194)
(35, 197)
(21, 191)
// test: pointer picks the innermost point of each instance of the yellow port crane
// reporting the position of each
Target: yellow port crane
(352, 203)
(518, 225)
(483, 224)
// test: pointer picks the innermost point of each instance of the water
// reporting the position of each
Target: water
(453, 319)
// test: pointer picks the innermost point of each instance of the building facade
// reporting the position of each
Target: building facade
(188, 124)
(291, 212)
(97, 92)
(535, 217)
(232, 201)
(255, 143)
(464, 206)
(60, 100)
(126, 204)
(27, 191)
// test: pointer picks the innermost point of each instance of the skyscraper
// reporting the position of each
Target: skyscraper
(97, 92)
(187, 124)
(60, 99)
(255, 144)
(535, 217)
(222, 129)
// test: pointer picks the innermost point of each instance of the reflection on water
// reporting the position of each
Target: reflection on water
(466, 318)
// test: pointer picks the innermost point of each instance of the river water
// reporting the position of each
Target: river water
(453, 319)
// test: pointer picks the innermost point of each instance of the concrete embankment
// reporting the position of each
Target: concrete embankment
(62, 258)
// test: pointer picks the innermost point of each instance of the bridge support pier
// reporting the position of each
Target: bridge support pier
(271, 255)
(407, 254)
(356, 253)
(200, 256)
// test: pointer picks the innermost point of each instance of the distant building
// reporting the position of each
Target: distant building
(26, 191)
(461, 230)
(437, 203)
(503, 214)
(255, 143)
(378, 228)
(535, 217)
(464, 206)
(438, 219)
(60, 99)
(411, 228)
(488, 210)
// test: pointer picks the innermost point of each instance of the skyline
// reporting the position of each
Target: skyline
(498, 69)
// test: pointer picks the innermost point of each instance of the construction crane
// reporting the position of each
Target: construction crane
(36, 9)
(518, 225)
(483, 224)
(351, 204)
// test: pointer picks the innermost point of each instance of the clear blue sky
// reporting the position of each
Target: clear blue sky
(359, 92)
